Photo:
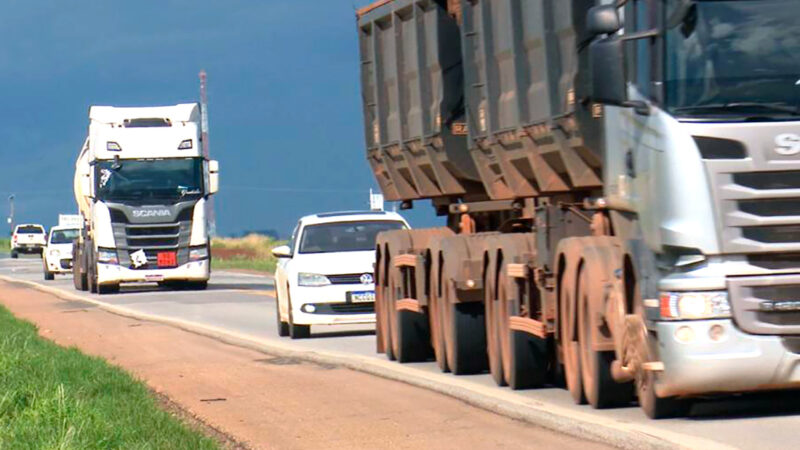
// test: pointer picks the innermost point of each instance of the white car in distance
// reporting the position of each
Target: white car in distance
(324, 276)
(27, 238)
(57, 256)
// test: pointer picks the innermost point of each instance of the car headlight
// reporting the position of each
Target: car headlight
(694, 305)
(312, 279)
(198, 253)
(107, 256)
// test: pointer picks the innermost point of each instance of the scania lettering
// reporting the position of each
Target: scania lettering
(141, 183)
(623, 213)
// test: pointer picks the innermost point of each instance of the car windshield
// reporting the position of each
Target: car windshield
(63, 236)
(735, 57)
(29, 229)
(149, 179)
(344, 236)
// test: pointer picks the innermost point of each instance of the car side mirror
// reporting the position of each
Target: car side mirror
(603, 19)
(282, 251)
(213, 177)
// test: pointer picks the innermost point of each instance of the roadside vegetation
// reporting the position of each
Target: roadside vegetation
(5, 245)
(252, 252)
(59, 398)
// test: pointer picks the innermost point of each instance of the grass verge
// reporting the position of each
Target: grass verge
(59, 398)
(252, 252)
(5, 245)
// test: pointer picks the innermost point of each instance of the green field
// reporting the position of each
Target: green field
(57, 398)
(252, 252)
(5, 245)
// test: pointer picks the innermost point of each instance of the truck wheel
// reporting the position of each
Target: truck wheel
(437, 334)
(569, 345)
(465, 333)
(14, 254)
(600, 388)
(495, 354)
(283, 327)
(91, 271)
(525, 357)
(409, 329)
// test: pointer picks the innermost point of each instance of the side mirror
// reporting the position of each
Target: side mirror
(213, 177)
(282, 252)
(608, 71)
(603, 19)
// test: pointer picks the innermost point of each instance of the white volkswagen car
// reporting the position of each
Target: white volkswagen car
(57, 255)
(324, 276)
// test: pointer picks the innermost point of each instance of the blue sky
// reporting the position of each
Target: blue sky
(285, 118)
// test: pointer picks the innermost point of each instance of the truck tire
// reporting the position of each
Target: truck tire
(568, 335)
(493, 349)
(14, 254)
(91, 269)
(525, 357)
(599, 386)
(409, 329)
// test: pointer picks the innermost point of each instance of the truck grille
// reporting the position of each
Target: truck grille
(152, 238)
(767, 305)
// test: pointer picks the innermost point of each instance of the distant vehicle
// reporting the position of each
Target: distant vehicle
(141, 184)
(70, 220)
(27, 238)
(57, 256)
(324, 276)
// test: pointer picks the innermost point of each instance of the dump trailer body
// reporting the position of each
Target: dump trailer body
(413, 101)
(530, 132)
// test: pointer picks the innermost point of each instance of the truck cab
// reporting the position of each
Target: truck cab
(142, 184)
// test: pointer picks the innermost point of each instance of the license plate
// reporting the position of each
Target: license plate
(167, 259)
(362, 297)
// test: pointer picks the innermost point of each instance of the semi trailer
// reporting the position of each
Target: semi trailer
(141, 184)
(620, 182)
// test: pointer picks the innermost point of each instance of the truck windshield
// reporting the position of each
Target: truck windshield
(63, 236)
(344, 236)
(149, 179)
(735, 57)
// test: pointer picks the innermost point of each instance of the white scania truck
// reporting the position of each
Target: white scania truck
(141, 183)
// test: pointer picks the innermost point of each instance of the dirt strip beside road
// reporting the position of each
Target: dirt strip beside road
(274, 402)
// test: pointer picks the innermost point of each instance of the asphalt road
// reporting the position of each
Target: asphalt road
(243, 304)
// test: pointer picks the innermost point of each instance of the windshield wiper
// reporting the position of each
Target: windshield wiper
(773, 107)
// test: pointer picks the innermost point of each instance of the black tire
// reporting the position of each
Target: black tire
(196, 285)
(494, 350)
(570, 348)
(598, 385)
(49, 276)
(656, 407)
(103, 289)
(409, 330)
(466, 338)
(14, 254)
(91, 270)
(297, 331)
(283, 327)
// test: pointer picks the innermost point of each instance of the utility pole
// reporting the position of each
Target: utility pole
(210, 215)
(11, 214)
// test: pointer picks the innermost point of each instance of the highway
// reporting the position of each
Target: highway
(242, 305)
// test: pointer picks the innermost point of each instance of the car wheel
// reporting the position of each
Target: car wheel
(283, 327)
(47, 274)
(297, 331)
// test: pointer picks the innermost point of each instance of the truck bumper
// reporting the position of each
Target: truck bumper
(192, 271)
(736, 362)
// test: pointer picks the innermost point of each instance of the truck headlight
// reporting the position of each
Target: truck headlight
(107, 256)
(312, 279)
(198, 253)
(694, 305)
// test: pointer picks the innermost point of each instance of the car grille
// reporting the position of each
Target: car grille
(353, 278)
(344, 308)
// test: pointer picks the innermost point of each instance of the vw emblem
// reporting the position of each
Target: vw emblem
(367, 278)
